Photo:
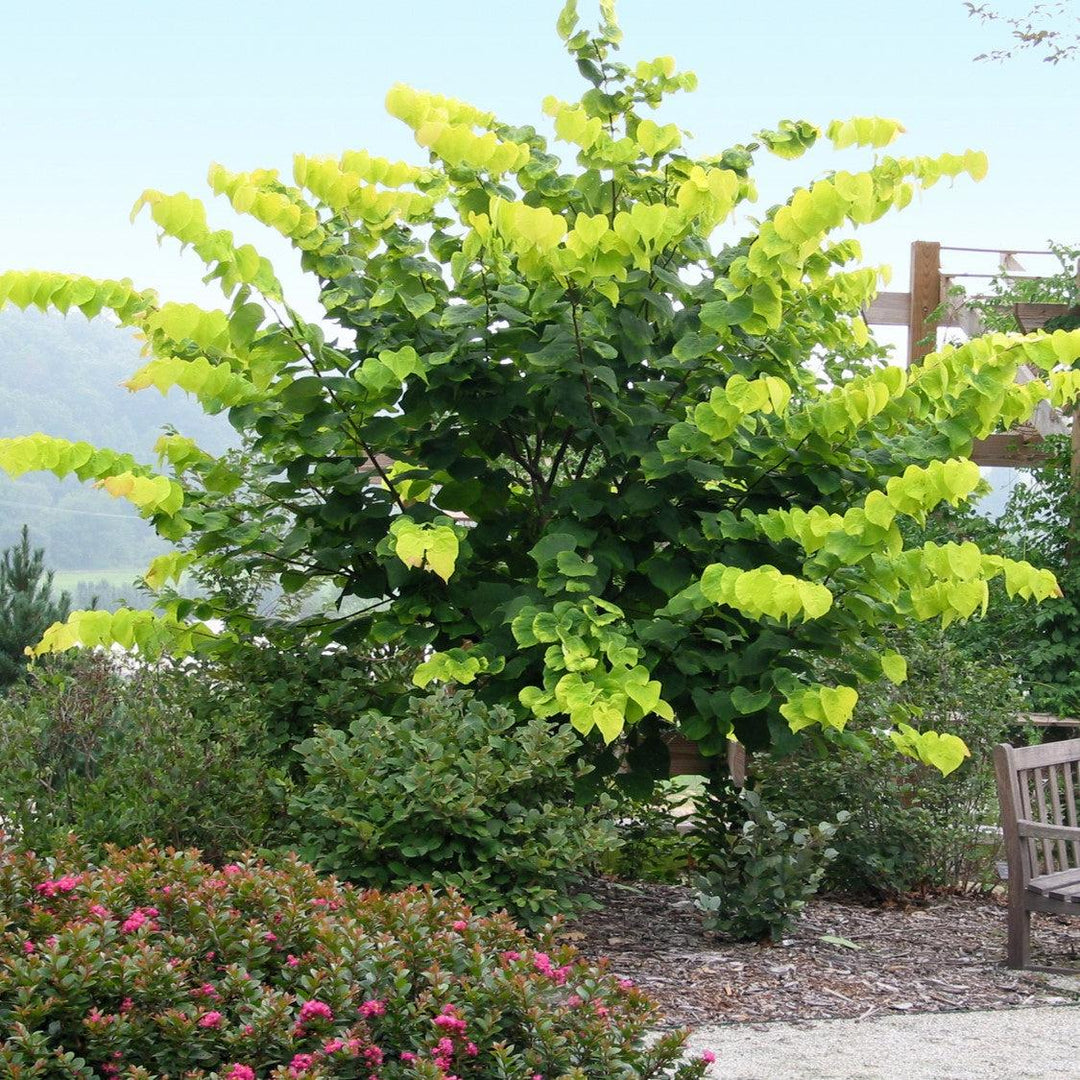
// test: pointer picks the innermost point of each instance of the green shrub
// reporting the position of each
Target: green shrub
(296, 687)
(154, 964)
(759, 876)
(453, 793)
(910, 827)
(116, 757)
(654, 844)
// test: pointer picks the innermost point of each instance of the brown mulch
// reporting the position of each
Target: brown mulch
(942, 955)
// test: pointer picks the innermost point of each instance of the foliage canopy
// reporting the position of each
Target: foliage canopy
(553, 430)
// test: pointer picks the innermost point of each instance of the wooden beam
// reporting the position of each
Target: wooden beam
(888, 309)
(1043, 719)
(1010, 450)
(1035, 316)
(925, 298)
(958, 313)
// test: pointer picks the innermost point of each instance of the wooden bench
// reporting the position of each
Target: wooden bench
(1037, 789)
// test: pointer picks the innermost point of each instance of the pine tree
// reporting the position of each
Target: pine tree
(27, 606)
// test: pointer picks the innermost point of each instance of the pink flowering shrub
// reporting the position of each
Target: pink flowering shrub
(156, 964)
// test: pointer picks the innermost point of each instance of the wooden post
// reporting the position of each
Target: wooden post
(925, 297)
(1074, 460)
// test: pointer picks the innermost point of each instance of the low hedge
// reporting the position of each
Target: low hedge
(156, 964)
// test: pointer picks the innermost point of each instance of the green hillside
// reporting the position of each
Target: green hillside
(62, 377)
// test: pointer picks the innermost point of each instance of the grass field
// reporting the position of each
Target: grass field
(68, 580)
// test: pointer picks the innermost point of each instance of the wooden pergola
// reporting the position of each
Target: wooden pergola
(929, 295)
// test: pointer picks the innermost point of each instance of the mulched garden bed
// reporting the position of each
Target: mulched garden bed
(942, 955)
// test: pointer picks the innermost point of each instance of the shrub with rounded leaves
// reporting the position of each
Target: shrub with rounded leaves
(453, 793)
(155, 964)
(759, 875)
(118, 754)
(910, 827)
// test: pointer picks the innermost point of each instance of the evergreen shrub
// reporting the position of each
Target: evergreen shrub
(454, 793)
(910, 828)
(117, 756)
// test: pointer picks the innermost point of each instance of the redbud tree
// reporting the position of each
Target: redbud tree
(554, 434)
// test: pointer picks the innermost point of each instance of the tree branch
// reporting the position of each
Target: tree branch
(291, 329)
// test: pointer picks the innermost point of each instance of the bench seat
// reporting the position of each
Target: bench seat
(1063, 885)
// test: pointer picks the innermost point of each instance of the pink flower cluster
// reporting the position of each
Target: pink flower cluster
(240, 1072)
(372, 1008)
(542, 963)
(301, 1063)
(61, 885)
(450, 1021)
(312, 1010)
(138, 918)
(211, 1019)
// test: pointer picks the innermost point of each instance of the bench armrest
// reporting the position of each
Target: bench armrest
(1038, 831)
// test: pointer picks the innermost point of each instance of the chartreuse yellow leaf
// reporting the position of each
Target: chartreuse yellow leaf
(425, 545)
(151, 494)
(454, 666)
(914, 493)
(894, 667)
(118, 473)
(873, 131)
(151, 634)
(593, 674)
(214, 384)
(261, 195)
(830, 706)
(341, 186)
(568, 20)
(44, 290)
(765, 591)
(167, 567)
(944, 752)
(184, 218)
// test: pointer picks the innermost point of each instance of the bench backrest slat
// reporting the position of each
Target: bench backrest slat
(1070, 807)
(1039, 783)
(1058, 810)
(1038, 780)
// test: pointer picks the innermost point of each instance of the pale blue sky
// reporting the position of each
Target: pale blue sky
(98, 101)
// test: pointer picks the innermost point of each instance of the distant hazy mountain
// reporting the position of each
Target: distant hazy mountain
(62, 376)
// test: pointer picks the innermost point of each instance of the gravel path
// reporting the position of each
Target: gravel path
(1011, 1044)
(915, 992)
